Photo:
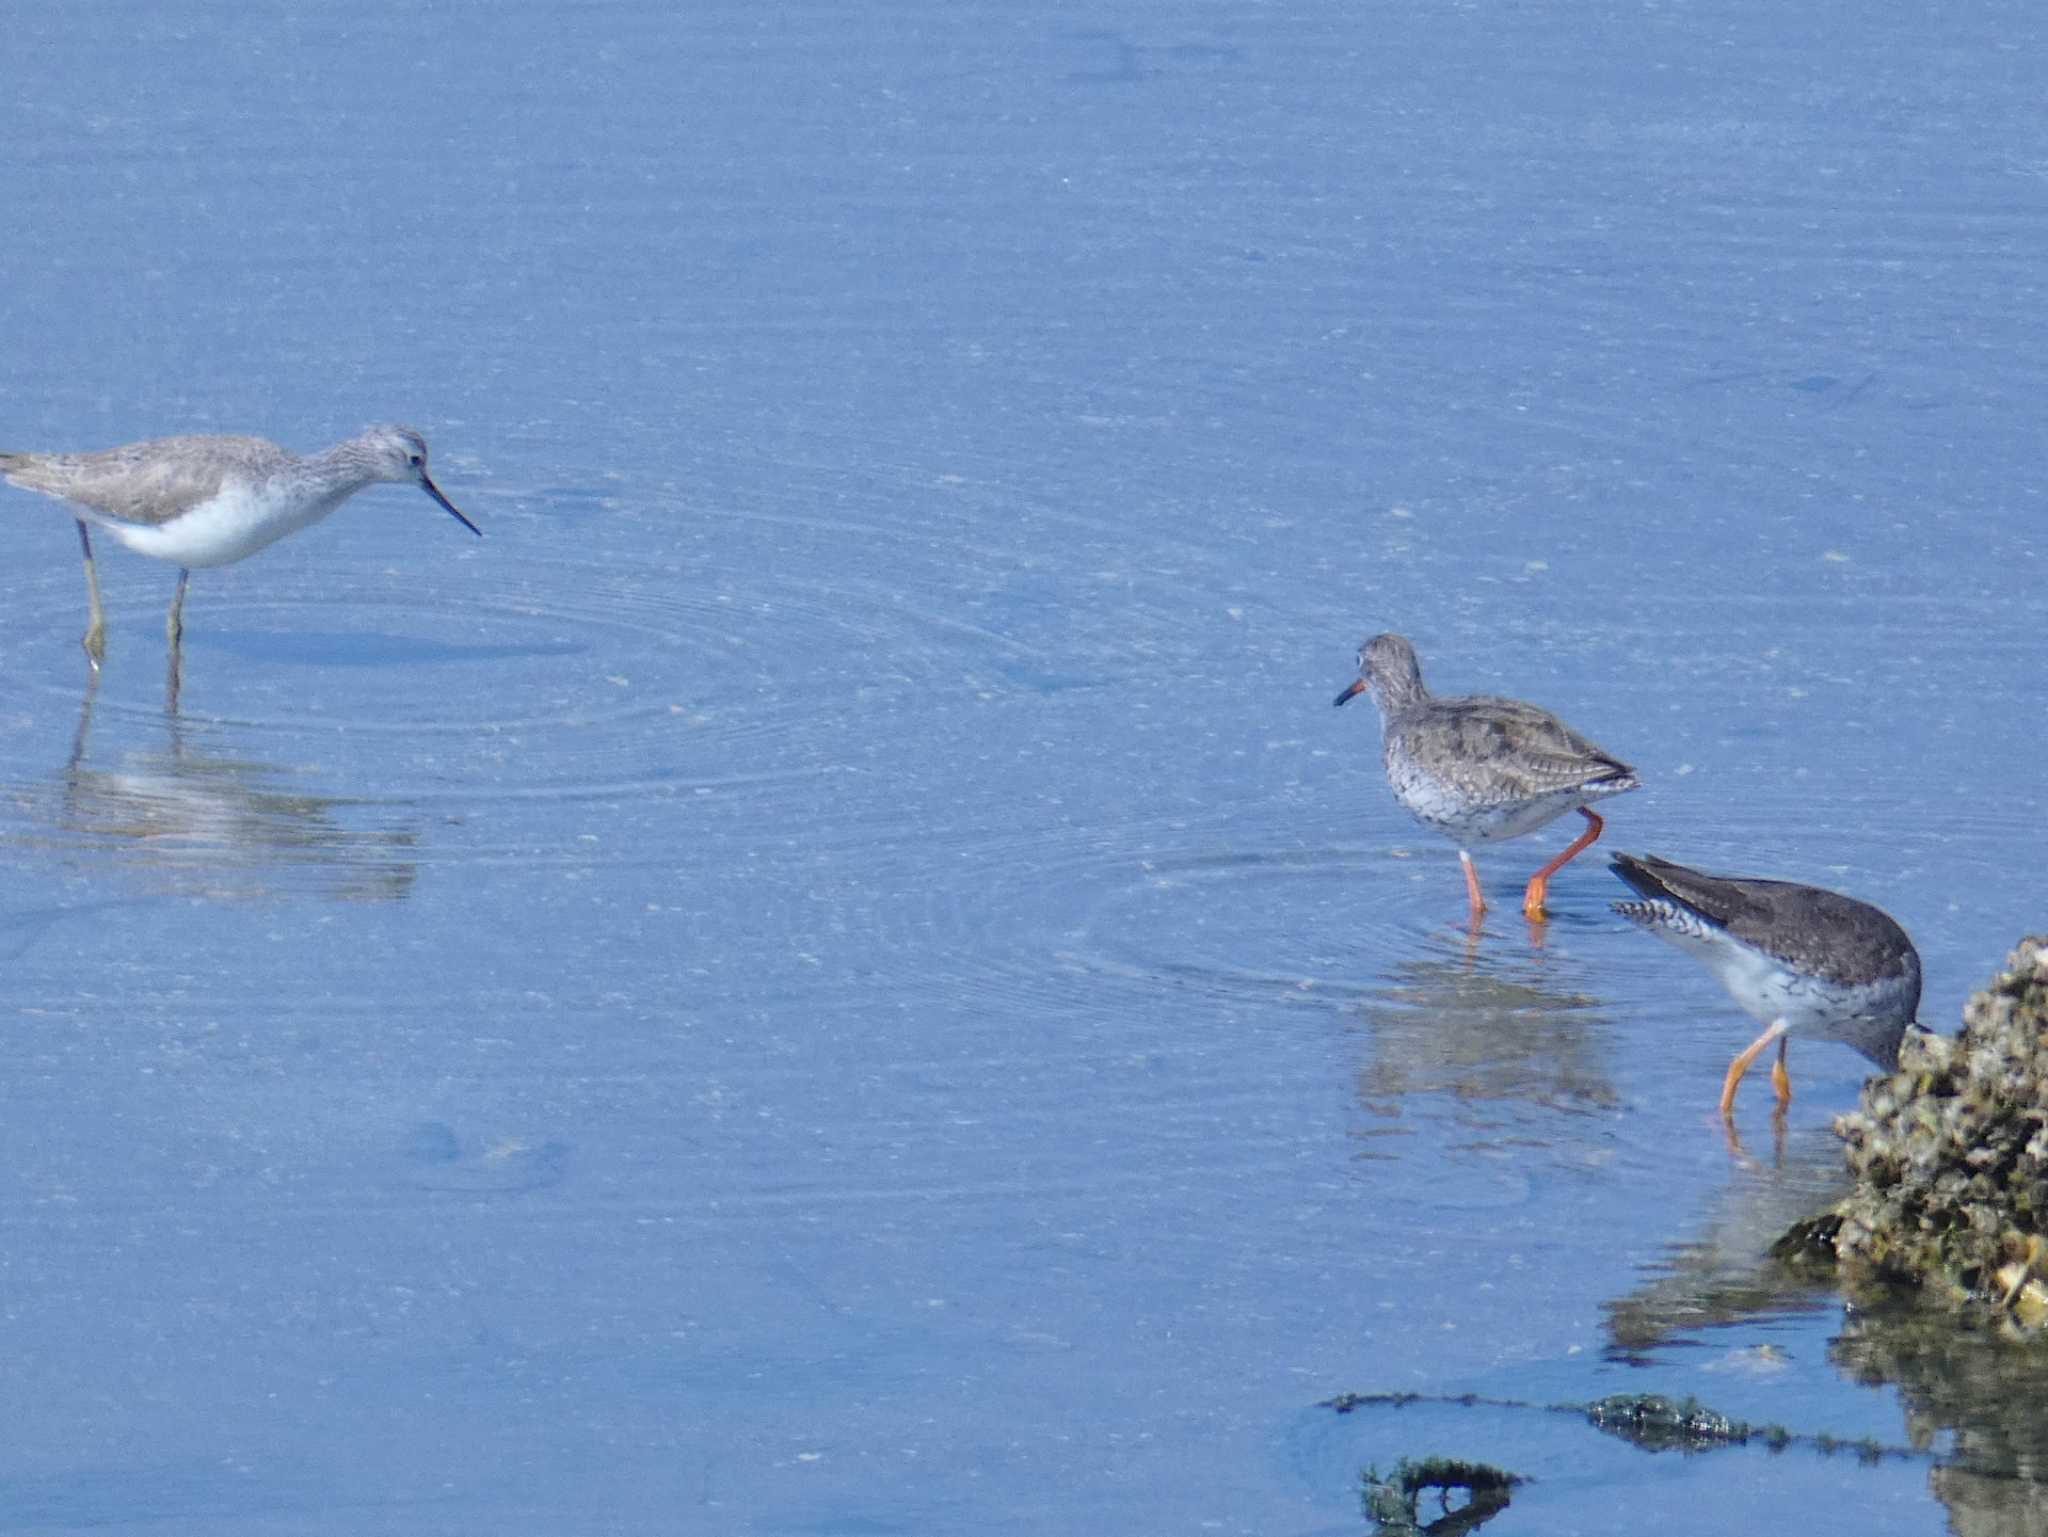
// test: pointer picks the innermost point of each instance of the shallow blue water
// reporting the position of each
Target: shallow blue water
(837, 972)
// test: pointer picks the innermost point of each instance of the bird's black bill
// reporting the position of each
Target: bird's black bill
(1350, 693)
(454, 512)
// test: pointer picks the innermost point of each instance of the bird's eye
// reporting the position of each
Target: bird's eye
(414, 460)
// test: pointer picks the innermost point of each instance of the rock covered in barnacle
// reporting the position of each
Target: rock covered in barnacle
(1950, 1153)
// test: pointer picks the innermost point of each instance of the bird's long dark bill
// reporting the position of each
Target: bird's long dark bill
(453, 511)
(1350, 693)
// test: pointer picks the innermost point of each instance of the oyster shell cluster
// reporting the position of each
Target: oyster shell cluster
(1950, 1154)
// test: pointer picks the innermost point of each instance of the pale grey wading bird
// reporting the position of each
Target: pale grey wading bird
(1480, 769)
(211, 501)
(1800, 960)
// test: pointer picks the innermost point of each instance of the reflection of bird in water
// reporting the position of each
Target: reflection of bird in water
(1972, 1389)
(226, 826)
(1480, 769)
(1481, 1031)
(1797, 958)
(1723, 1273)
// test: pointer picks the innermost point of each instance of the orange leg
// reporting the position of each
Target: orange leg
(1780, 1079)
(1539, 883)
(1741, 1065)
(1472, 886)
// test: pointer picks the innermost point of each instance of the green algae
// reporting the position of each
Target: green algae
(1393, 1501)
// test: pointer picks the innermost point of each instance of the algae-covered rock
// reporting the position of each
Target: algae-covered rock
(1392, 1502)
(1660, 1424)
(1950, 1154)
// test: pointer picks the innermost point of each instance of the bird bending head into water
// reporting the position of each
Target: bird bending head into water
(1798, 959)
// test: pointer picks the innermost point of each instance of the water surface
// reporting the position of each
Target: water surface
(837, 973)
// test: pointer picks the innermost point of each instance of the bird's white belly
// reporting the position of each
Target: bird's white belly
(229, 526)
(1466, 821)
(1769, 991)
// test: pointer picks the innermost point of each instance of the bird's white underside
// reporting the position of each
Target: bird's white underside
(229, 526)
(1767, 989)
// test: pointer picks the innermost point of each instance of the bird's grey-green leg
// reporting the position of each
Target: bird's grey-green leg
(175, 625)
(96, 630)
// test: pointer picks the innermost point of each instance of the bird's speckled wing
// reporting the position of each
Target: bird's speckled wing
(1821, 933)
(1502, 749)
(147, 483)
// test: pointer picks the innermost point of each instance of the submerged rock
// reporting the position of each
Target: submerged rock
(1659, 1424)
(1950, 1155)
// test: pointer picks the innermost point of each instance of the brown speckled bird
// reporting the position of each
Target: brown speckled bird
(1479, 769)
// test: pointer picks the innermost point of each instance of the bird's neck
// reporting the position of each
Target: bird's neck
(340, 471)
(1397, 696)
